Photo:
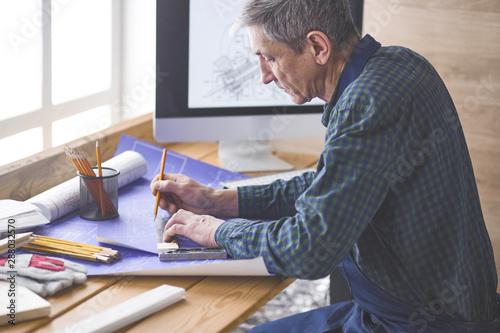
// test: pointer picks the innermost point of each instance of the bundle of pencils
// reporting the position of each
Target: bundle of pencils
(94, 186)
(70, 249)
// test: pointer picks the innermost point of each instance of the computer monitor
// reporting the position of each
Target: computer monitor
(209, 88)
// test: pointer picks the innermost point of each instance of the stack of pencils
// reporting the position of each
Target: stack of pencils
(94, 186)
(70, 249)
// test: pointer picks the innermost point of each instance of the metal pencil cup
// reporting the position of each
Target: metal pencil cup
(99, 195)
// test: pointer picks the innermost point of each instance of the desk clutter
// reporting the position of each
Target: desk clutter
(132, 234)
(62, 248)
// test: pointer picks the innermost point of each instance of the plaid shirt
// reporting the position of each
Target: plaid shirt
(394, 186)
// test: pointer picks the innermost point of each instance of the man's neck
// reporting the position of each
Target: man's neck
(338, 61)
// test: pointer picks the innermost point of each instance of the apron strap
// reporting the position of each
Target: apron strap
(397, 315)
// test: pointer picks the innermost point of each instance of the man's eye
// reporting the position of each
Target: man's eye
(269, 59)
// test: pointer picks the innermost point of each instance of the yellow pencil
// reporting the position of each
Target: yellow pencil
(86, 247)
(72, 249)
(96, 258)
(160, 178)
(99, 168)
(94, 185)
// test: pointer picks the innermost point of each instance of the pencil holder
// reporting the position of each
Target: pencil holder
(99, 195)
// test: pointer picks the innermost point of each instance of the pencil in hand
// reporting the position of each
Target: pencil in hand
(160, 178)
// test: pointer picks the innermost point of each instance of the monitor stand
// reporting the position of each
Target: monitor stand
(250, 156)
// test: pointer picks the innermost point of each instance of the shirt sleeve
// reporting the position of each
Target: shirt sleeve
(332, 213)
(274, 200)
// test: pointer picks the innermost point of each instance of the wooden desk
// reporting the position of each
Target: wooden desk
(212, 304)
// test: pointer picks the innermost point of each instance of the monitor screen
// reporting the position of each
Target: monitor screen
(209, 85)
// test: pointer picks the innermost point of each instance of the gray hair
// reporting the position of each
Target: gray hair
(289, 21)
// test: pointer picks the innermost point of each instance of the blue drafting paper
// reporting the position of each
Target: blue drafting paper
(135, 227)
(176, 163)
(71, 227)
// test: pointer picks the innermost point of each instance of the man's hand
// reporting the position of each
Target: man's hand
(181, 192)
(199, 228)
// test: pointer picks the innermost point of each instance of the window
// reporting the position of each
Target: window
(60, 65)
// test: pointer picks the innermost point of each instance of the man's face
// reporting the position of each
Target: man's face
(295, 74)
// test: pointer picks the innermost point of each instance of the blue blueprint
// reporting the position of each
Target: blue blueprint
(135, 227)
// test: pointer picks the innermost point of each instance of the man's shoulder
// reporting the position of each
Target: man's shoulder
(389, 76)
(397, 54)
(395, 66)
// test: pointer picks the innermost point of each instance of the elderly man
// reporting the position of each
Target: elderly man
(393, 202)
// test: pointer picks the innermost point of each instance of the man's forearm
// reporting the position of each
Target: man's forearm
(225, 203)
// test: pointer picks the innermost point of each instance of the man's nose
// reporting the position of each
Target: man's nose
(266, 74)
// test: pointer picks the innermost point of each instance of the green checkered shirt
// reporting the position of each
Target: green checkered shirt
(394, 186)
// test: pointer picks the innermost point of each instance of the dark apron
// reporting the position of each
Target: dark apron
(388, 313)
(373, 310)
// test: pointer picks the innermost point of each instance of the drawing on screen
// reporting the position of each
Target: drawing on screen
(236, 73)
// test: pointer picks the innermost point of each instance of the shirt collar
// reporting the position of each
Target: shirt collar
(354, 65)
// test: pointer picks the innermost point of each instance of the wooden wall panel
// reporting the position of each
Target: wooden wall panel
(461, 38)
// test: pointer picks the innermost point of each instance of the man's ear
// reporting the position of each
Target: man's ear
(320, 46)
